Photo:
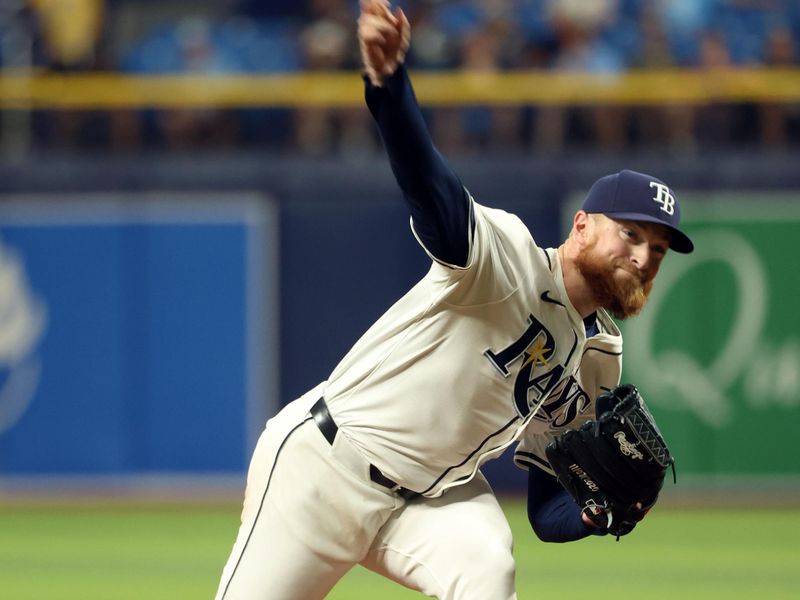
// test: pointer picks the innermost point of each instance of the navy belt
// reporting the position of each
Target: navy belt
(329, 429)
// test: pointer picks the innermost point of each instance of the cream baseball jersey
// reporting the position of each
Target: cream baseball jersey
(489, 353)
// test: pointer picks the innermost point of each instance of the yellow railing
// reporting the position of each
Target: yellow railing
(342, 89)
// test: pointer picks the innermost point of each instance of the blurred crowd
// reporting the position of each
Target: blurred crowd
(275, 36)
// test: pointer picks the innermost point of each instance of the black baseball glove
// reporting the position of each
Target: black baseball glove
(614, 466)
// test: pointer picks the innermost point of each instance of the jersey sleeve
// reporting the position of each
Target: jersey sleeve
(440, 207)
(529, 453)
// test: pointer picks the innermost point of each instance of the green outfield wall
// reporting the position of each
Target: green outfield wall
(717, 350)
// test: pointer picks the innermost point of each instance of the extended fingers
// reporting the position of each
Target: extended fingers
(373, 28)
(401, 19)
(383, 36)
(377, 8)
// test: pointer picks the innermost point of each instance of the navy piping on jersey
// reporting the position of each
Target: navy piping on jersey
(547, 256)
(599, 350)
(471, 215)
(574, 345)
(261, 504)
(531, 457)
(471, 454)
(526, 463)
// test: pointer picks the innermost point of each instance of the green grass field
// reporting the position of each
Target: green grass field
(173, 553)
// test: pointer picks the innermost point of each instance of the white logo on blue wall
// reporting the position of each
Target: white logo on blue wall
(23, 318)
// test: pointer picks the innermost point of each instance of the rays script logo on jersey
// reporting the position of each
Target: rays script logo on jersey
(538, 376)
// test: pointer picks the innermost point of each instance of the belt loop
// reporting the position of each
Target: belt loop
(324, 420)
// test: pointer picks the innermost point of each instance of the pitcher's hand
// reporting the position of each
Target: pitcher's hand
(384, 37)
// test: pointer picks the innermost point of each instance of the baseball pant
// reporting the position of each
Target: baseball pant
(311, 513)
(453, 547)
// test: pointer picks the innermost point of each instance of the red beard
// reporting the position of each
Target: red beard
(623, 296)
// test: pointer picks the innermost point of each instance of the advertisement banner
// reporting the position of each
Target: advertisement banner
(135, 333)
(716, 352)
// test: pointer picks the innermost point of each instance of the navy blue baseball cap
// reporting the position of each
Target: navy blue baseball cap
(638, 197)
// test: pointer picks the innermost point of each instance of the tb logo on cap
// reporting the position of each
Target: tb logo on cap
(663, 197)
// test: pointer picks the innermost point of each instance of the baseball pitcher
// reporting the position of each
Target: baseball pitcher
(501, 343)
